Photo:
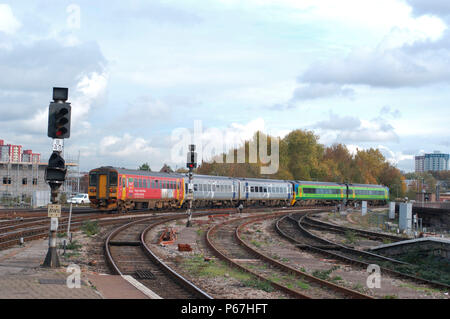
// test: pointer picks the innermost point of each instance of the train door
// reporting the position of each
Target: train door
(102, 185)
(246, 190)
(234, 190)
(124, 187)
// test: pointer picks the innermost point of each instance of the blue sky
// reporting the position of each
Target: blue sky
(362, 73)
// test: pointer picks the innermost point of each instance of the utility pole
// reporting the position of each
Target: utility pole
(55, 173)
(191, 164)
(78, 179)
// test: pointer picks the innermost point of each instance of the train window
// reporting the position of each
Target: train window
(145, 183)
(309, 190)
(252, 189)
(136, 182)
(92, 179)
(200, 187)
(124, 182)
(265, 189)
(195, 187)
(112, 178)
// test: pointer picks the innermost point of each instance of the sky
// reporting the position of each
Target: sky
(142, 73)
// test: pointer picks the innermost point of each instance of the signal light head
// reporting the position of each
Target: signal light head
(59, 120)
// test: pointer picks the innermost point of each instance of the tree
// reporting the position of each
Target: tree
(145, 167)
(166, 169)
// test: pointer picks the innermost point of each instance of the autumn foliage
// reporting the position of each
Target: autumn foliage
(302, 157)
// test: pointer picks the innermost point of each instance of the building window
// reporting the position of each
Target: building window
(24, 181)
(35, 181)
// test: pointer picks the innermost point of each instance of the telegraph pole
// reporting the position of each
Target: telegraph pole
(55, 173)
(191, 164)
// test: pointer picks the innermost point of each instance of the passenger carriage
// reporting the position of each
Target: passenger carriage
(264, 192)
(310, 193)
(373, 194)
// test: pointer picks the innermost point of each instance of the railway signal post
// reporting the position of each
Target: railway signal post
(191, 164)
(55, 173)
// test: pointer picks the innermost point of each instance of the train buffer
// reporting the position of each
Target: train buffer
(168, 236)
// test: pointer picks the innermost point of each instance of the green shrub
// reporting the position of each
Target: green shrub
(90, 227)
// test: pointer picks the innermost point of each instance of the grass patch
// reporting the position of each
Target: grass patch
(350, 237)
(61, 235)
(336, 279)
(390, 297)
(72, 254)
(258, 284)
(324, 274)
(256, 243)
(197, 266)
(284, 259)
(200, 232)
(74, 245)
(358, 287)
(90, 228)
(302, 285)
(418, 288)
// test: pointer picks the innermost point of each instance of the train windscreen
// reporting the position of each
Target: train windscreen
(93, 179)
(112, 178)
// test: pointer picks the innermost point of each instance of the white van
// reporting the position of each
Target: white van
(79, 199)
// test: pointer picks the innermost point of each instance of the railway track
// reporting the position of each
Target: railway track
(227, 243)
(292, 228)
(128, 254)
(321, 225)
(34, 227)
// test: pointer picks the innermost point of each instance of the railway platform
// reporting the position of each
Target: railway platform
(22, 277)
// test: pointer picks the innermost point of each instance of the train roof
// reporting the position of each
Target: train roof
(143, 173)
(319, 183)
(212, 177)
(262, 180)
(367, 185)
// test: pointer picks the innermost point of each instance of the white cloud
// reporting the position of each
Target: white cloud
(88, 89)
(8, 22)
(126, 146)
(313, 91)
(350, 129)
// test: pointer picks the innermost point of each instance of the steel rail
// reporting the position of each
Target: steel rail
(347, 259)
(176, 278)
(229, 261)
(337, 288)
(342, 229)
